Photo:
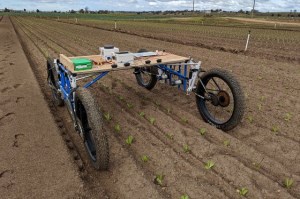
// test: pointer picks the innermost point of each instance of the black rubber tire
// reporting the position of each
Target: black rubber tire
(95, 139)
(153, 79)
(237, 92)
(53, 79)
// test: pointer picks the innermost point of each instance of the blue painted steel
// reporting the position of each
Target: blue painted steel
(95, 80)
(184, 80)
(165, 68)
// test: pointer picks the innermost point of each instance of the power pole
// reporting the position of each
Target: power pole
(253, 8)
(193, 5)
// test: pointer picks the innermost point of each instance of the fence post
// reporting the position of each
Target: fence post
(247, 40)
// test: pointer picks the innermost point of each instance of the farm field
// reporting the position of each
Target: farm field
(259, 155)
(226, 35)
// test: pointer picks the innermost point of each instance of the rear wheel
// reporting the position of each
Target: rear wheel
(90, 126)
(222, 104)
(146, 76)
(53, 82)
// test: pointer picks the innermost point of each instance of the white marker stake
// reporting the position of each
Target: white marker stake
(247, 41)
(115, 25)
(275, 26)
(76, 20)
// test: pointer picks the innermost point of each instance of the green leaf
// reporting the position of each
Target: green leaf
(159, 179)
(129, 140)
(129, 105)
(184, 196)
(287, 116)
(145, 158)
(152, 120)
(243, 191)
(117, 128)
(170, 136)
(250, 119)
(226, 142)
(288, 183)
(202, 131)
(142, 114)
(186, 148)
(209, 164)
(107, 116)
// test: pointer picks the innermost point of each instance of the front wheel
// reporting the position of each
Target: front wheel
(90, 126)
(220, 99)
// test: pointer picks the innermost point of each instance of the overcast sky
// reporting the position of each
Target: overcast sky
(146, 5)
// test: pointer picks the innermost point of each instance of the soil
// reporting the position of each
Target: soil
(35, 162)
(258, 157)
(264, 21)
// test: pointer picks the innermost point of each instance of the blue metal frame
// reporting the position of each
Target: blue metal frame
(171, 70)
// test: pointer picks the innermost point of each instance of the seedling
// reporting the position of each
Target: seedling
(250, 118)
(107, 116)
(142, 114)
(157, 103)
(152, 120)
(288, 183)
(184, 196)
(288, 117)
(159, 179)
(275, 129)
(168, 110)
(129, 140)
(226, 143)
(259, 107)
(186, 148)
(202, 131)
(185, 120)
(262, 98)
(117, 128)
(170, 136)
(129, 105)
(121, 97)
(242, 191)
(259, 77)
(209, 164)
(145, 158)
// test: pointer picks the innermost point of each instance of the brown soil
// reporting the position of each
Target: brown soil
(35, 162)
(257, 158)
(264, 21)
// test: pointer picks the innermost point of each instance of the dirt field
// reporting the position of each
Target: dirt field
(35, 162)
(262, 152)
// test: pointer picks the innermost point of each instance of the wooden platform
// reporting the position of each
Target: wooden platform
(99, 65)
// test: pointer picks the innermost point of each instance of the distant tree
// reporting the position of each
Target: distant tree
(81, 11)
(37, 10)
(272, 14)
(55, 11)
(24, 10)
(6, 10)
(241, 11)
(279, 15)
(72, 11)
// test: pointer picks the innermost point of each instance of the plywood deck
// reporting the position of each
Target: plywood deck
(100, 65)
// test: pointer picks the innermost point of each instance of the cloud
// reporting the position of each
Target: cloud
(147, 5)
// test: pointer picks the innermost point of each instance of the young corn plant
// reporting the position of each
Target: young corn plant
(275, 129)
(184, 120)
(129, 140)
(287, 116)
(226, 143)
(288, 183)
(250, 119)
(129, 105)
(145, 158)
(159, 179)
(117, 128)
(152, 120)
(170, 136)
(107, 116)
(243, 191)
(209, 165)
(142, 114)
(121, 97)
(186, 148)
(202, 131)
(184, 196)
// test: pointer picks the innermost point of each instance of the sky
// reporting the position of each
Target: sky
(151, 5)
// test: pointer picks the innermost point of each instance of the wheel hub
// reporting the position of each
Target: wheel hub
(223, 98)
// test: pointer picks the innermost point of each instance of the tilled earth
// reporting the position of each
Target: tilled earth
(262, 152)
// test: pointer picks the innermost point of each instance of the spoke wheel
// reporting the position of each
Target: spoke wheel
(223, 103)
